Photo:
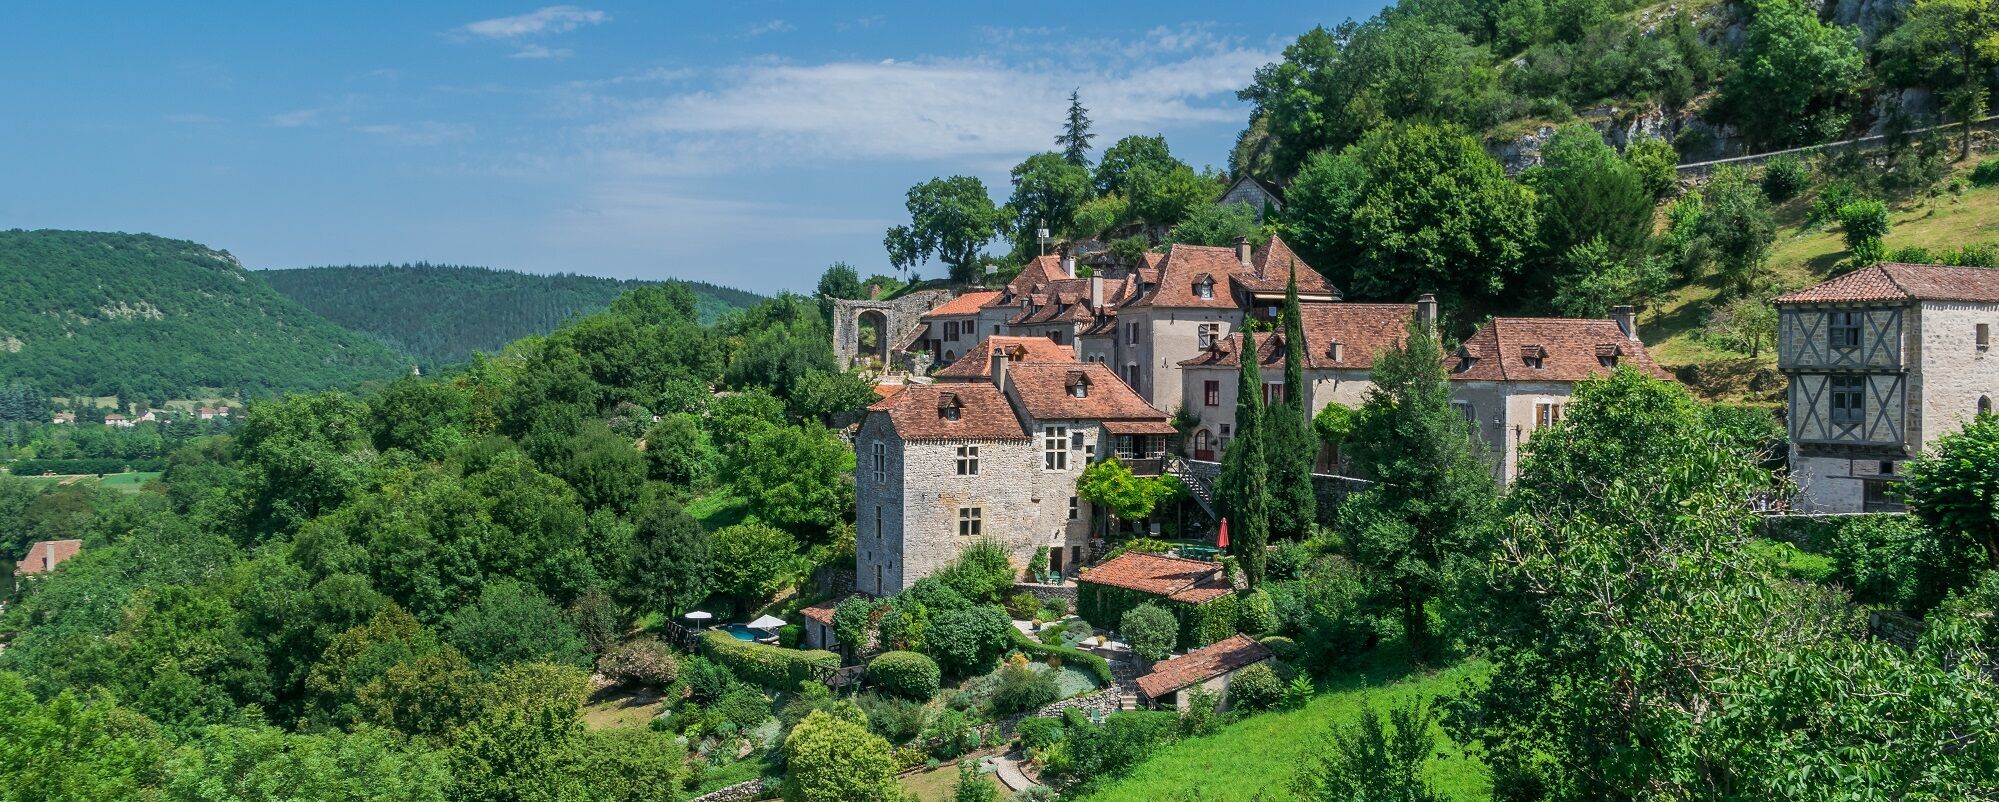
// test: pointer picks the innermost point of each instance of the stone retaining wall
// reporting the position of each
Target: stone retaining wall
(745, 791)
(1102, 703)
(1862, 144)
(1896, 628)
(1048, 592)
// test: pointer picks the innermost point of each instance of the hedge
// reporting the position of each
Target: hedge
(1200, 624)
(1097, 666)
(773, 667)
(908, 674)
(90, 465)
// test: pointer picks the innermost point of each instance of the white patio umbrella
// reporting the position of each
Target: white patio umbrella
(767, 622)
(698, 618)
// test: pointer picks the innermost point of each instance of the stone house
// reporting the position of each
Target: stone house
(1263, 195)
(1881, 362)
(1341, 341)
(1211, 667)
(941, 466)
(1017, 350)
(1515, 375)
(115, 419)
(950, 330)
(44, 556)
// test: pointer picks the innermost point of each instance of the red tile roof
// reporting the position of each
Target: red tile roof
(45, 555)
(1361, 330)
(977, 363)
(1896, 281)
(1182, 580)
(1571, 346)
(1202, 664)
(823, 611)
(1185, 266)
(917, 413)
(1038, 272)
(966, 304)
(1044, 390)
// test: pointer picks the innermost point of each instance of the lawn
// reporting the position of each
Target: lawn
(719, 509)
(1256, 758)
(937, 784)
(613, 708)
(130, 482)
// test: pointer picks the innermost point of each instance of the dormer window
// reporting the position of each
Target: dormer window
(1205, 288)
(1209, 335)
(1079, 384)
(948, 406)
(1607, 354)
(1533, 356)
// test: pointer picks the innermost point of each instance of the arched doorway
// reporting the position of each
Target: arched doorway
(1204, 446)
(872, 336)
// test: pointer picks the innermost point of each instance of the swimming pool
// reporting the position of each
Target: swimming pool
(744, 632)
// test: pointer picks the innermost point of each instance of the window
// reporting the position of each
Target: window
(1131, 332)
(1205, 289)
(878, 521)
(1080, 389)
(1273, 393)
(969, 523)
(1203, 445)
(995, 328)
(1075, 508)
(881, 462)
(950, 413)
(968, 460)
(1225, 430)
(1131, 375)
(1878, 495)
(1211, 393)
(1984, 336)
(1532, 361)
(1055, 448)
(1546, 415)
(951, 330)
(1607, 360)
(1843, 330)
(1465, 410)
(1985, 405)
(1849, 400)
(1076, 439)
(1209, 333)
(1886, 467)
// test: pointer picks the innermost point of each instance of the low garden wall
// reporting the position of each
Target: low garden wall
(745, 791)
(1048, 593)
(1101, 703)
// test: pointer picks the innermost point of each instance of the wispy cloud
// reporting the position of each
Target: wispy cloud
(773, 26)
(535, 51)
(541, 21)
(192, 118)
(297, 118)
(426, 132)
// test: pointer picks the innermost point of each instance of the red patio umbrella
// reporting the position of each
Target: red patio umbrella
(1222, 538)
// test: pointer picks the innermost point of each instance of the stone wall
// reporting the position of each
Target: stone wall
(1101, 703)
(1896, 628)
(901, 317)
(1046, 593)
(746, 791)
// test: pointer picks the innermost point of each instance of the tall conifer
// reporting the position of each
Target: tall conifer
(1290, 448)
(1243, 489)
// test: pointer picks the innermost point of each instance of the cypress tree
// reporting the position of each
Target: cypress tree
(1243, 489)
(1075, 137)
(1290, 449)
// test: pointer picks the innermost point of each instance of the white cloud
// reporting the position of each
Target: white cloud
(773, 26)
(296, 119)
(426, 132)
(534, 51)
(541, 21)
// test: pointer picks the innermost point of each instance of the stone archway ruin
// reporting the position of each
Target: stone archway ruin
(890, 324)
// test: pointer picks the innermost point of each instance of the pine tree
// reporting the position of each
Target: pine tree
(1291, 448)
(1075, 137)
(1243, 490)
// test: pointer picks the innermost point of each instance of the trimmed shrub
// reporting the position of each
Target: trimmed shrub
(966, 642)
(1021, 689)
(743, 706)
(1863, 223)
(770, 666)
(1038, 733)
(905, 674)
(1281, 647)
(1151, 631)
(1784, 177)
(1254, 613)
(642, 661)
(1255, 688)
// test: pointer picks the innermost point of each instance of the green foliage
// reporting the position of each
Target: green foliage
(1019, 688)
(1949, 46)
(823, 395)
(831, 759)
(1242, 491)
(1654, 160)
(1109, 484)
(84, 299)
(679, 453)
(750, 562)
(967, 641)
(772, 667)
(511, 622)
(1217, 225)
(950, 220)
(1986, 173)
(1151, 631)
(1863, 224)
(797, 478)
(1075, 137)
(854, 621)
(1327, 610)
(981, 572)
(1432, 504)
(1290, 447)
(1375, 761)
(1038, 733)
(603, 468)
(1742, 324)
(1595, 213)
(1298, 693)
(907, 674)
(1413, 208)
(1735, 229)
(1950, 488)
(1047, 191)
(1796, 81)
(1784, 177)
(1100, 215)
(1089, 754)
(1333, 423)
(1255, 688)
(1095, 664)
(669, 561)
(1255, 612)
(973, 786)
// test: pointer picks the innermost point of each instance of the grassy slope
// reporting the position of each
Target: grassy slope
(1802, 257)
(1256, 758)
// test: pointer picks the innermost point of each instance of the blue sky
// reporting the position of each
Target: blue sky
(747, 143)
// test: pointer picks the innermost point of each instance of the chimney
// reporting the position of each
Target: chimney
(1426, 311)
(1068, 263)
(1627, 320)
(1097, 292)
(1242, 250)
(999, 368)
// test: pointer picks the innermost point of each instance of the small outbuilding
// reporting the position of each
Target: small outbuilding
(1210, 667)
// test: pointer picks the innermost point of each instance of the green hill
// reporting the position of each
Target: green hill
(443, 313)
(94, 313)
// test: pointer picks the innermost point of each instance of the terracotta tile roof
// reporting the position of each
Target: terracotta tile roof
(977, 362)
(823, 611)
(1064, 299)
(886, 390)
(1185, 266)
(1571, 348)
(1182, 580)
(1140, 427)
(45, 555)
(966, 304)
(1361, 330)
(1044, 393)
(917, 413)
(1039, 271)
(1202, 664)
(1896, 281)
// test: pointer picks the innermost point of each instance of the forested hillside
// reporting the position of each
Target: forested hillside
(443, 313)
(146, 317)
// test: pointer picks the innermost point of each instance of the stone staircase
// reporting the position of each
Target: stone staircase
(1199, 479)
(1124, 674)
